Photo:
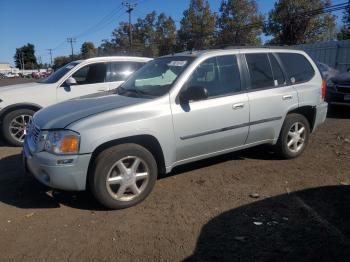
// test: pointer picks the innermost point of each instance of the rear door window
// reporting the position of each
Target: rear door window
(120, 71)
(259, 70)
(297, 67)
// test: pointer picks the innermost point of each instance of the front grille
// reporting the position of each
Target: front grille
(343, 89)
(35, 132)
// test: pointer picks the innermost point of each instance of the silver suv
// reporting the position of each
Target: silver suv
(174, 110)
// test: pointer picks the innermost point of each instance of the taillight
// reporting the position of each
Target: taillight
(323, 94)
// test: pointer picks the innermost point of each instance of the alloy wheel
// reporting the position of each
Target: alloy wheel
(127, 178)
(18, 127)
(296, 137)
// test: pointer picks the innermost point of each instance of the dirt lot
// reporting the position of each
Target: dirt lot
(200, 212)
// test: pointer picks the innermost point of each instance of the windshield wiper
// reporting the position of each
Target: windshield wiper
(121, 91)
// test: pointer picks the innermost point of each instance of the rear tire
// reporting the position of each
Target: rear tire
(14, 125)
(123, 176)
(294, 136)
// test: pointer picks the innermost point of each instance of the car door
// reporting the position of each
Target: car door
(217, 123)
(89, 79)
(270, 96)
(119, 71)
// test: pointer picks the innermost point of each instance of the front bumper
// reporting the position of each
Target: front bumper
(335, 98)
(321, 114)
(44, 167)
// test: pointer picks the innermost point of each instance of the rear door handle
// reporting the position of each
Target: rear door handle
(238, 106)
(287, 97)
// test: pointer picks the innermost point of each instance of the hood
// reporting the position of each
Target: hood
(20, 88)
(62, 114)
(343, 78)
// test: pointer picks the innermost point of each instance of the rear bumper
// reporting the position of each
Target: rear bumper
(43, 166)
(321, 114)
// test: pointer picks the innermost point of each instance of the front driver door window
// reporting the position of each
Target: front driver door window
(219, 122)
(90, 79)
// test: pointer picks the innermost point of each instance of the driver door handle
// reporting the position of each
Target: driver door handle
(287, 97)
(238, 106)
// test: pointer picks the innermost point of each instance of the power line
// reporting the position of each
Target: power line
(106, 20)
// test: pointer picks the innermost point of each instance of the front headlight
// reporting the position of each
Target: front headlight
(62, 142)
(330, 84)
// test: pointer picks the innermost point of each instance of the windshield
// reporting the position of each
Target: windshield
(156, 77)
(59, 73)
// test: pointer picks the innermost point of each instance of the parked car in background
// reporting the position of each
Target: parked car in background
(36, 75)
(18, 103)
(327, 71)
(338, 89)
(175, 110)
(11, 75)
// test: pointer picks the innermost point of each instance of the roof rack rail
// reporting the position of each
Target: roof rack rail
(241, 46)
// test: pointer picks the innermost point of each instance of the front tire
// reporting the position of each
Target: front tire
(294, 136)
(14, 126)
(123, 176)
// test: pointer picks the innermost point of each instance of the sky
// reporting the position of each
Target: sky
(48, 24)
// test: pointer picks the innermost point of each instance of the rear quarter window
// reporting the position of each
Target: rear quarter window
(297, 67)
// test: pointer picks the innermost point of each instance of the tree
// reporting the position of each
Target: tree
(165, 34)
(60, 61)
(145, 35)
(152, 36)
(297, 22)
(88, 50)
(26, 55)
(239, 22)
(345, 29)
(197, 26)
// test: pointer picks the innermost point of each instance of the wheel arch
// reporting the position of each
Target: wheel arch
(309, 112)
(10, 108)
(149, 142)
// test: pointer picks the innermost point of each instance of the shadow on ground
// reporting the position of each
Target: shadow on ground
(21, 190)
(340, 112)
(309, 225)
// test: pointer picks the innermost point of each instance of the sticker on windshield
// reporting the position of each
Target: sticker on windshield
(69, 66)
(177, 63)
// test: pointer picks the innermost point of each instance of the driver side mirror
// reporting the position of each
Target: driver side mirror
(193, 93)
(68, 83)
(71, 81)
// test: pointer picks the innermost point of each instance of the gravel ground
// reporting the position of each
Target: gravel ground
(244, 206)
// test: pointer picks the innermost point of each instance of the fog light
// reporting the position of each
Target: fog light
(64, 161)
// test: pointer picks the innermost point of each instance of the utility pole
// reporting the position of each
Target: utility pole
(40, 60)
(130, 7)
(50, 51)
(22, 62)
(71, 40)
